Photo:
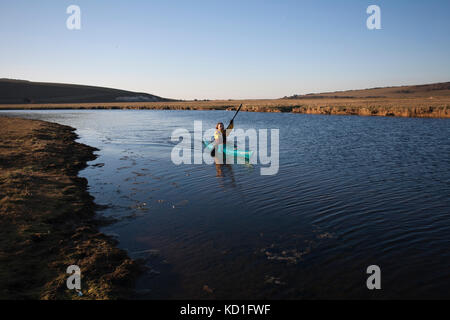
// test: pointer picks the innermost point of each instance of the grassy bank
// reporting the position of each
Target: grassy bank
(434, 107)
(47, 218)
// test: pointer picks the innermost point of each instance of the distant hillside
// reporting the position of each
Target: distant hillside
(423, 101)
(418, 91)
(21, 91)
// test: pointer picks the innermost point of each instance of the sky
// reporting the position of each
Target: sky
(246, 49)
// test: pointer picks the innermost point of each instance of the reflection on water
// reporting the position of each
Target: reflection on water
(350, 192)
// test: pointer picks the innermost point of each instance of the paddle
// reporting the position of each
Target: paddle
(230, 127)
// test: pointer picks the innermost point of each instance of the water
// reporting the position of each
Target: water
(350, 192)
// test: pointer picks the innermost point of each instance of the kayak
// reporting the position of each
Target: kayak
(231, 152)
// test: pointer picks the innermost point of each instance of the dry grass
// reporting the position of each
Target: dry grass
(438, 107)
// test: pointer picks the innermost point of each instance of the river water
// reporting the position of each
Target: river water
(350, 192)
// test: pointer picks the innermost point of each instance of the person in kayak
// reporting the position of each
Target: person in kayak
(220, 136)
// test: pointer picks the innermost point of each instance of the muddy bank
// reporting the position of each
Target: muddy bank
(438, 107)
(48, 218)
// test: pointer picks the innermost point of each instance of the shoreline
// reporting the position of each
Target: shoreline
(438, 107)
(48, 218)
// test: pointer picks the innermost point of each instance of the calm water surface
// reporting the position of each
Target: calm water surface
(350, 192)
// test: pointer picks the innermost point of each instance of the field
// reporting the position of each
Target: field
(432, 100)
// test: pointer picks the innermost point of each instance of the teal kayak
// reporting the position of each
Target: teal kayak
(232, 152)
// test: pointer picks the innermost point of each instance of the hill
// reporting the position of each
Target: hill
(22, 91)
(416, 91)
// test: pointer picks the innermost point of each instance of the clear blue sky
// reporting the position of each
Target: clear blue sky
(226, 49)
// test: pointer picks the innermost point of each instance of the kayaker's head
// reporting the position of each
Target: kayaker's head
(220, 127)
